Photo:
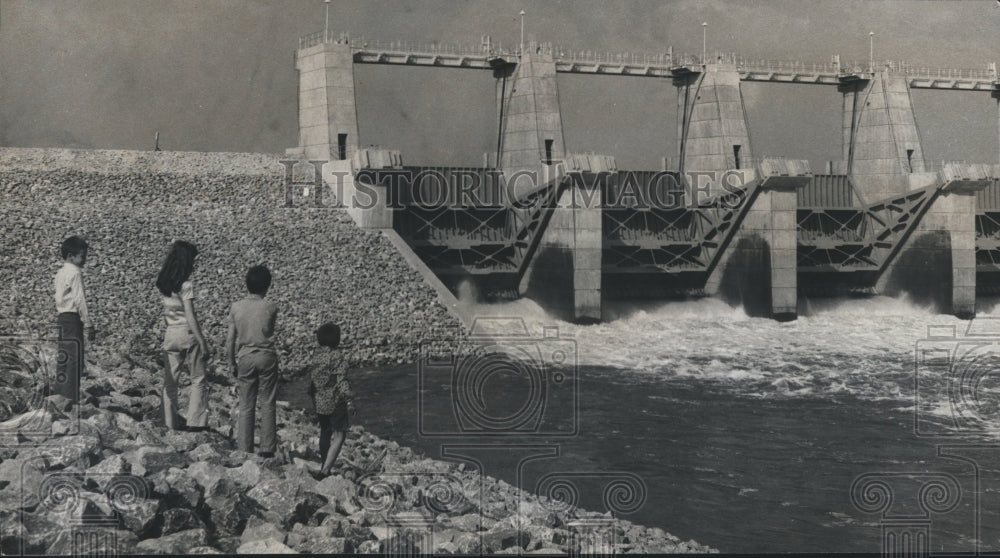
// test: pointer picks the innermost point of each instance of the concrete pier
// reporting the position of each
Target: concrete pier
(759, 268)
(937, 264)
(530, 122)
(328, 118)
(712, 126)
(565, 274)
(881, 141)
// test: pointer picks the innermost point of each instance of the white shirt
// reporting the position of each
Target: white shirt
(173, 305)
(69, 292)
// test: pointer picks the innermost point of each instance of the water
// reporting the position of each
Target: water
(747, 433)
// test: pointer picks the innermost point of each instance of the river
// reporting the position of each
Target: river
(746, 433)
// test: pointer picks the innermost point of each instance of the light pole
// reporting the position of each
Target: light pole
(871, 52)
(522, 34)
(326, 33)
(704, 40)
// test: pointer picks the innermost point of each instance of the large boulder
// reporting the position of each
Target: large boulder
(284, 502)
(325, 545)
(70, 450)
(355, 536)
(206, 474)
(22, 481)
(176, 544)
(502, 538)
(107, 469)
(205, 452)
(141, 516)
(183, 442)
(93, 541)
(39, 531)
(34, 425)
(300, 476)
(258, 529)
(471, 522)
(229, 507)
(177, 488)
(341, 491)
(151, 459)
(176, 520)
(249, 474)
(265, 546)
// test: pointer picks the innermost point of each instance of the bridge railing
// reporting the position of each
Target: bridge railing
(664, 59)
(596, 57)
(762, 65)
(745, 63)
(939, 73)
(457, 49)
(312, 39)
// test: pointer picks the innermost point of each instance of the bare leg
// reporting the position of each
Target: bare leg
(336, 441)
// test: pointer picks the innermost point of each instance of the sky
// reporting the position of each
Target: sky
(218, 75)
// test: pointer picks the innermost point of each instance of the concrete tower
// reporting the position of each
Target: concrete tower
(531, 129)
(712, 128)
(881, 142)
(328, 117)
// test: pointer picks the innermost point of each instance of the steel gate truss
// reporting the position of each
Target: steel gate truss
(988, 241)
(859, 239)
(673, 240)
(478, 241)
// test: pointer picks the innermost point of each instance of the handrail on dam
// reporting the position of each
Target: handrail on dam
(653, 64)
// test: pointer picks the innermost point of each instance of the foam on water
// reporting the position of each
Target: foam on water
(862, 347)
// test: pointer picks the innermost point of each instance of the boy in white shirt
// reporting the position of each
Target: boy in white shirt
(72, 319)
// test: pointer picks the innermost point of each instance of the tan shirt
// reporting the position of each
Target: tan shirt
(254, 317)
(69, 292)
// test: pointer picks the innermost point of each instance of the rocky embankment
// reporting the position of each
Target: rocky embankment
(130, 206)
(107, 472)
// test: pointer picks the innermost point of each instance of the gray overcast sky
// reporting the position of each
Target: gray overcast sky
(218, 75)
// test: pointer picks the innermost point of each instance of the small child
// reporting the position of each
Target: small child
(72, 318)
(254, 361)
(331, 394)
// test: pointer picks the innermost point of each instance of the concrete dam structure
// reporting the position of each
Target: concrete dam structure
(573, 230)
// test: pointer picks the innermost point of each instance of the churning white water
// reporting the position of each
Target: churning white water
(750, 432)
(863, 347)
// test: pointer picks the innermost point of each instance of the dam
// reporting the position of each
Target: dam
(572, 230)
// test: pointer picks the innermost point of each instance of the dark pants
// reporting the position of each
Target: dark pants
(69, 358)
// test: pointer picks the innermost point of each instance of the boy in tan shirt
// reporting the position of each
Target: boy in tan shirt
(254, 361)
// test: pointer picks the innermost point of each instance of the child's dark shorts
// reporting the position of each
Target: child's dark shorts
(337, 420)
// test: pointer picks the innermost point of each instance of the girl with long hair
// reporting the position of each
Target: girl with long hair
(183, 342)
